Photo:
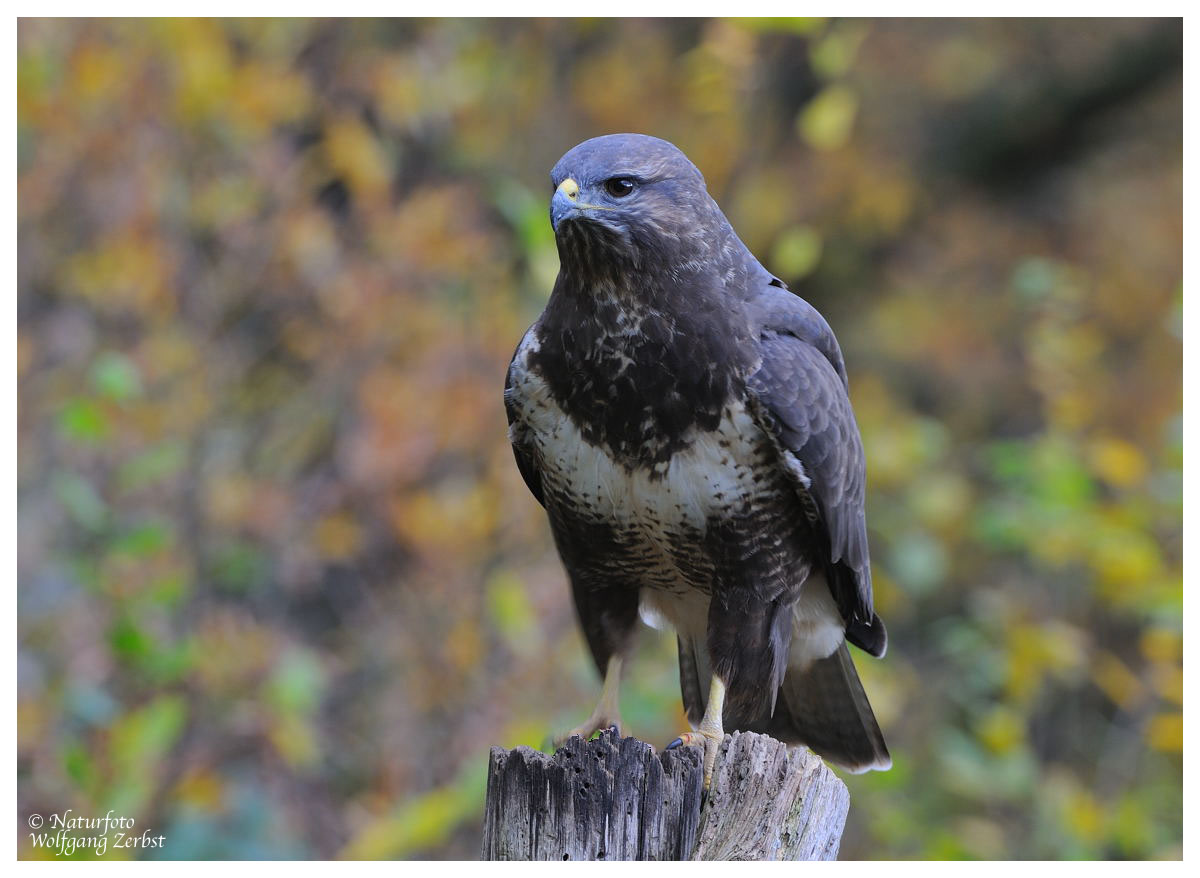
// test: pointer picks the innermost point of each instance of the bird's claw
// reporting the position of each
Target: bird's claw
(710, 741)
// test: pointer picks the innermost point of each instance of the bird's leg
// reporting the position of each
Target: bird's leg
(607, 713)
(711, 732)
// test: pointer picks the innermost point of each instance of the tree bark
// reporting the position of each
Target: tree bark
(615, 798)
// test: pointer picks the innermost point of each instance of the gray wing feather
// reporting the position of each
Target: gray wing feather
(801, 397)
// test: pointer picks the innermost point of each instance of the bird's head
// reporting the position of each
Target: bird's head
(632, 199)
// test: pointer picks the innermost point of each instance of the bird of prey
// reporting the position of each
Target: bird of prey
(685, 421)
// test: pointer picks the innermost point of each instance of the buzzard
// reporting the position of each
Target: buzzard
(685, 421)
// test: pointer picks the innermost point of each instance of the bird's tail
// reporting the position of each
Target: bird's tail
(822, 706)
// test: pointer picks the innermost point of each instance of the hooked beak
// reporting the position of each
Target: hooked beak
(566, 201)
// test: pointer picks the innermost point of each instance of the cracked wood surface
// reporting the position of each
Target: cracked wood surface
(616, 798)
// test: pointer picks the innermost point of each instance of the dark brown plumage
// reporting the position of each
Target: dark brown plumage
(685, 421)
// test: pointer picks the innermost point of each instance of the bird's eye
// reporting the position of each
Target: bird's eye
(619, 187)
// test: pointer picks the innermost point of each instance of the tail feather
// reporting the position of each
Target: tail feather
(824, 707)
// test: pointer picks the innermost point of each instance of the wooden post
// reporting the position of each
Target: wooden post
(615, 798)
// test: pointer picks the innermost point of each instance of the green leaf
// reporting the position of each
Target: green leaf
(797, 252)
(79, 765)
(918, 562)
(827, 121)
(114, 375)
(298, 682)
(82, 420)
(1034, 279)
(238, 566)
(128, 641)
(78, 496)
(798, 26)
(151, 466)
(512, 613)
(137, 745)
(144, 540)
(834, 53)
(423, 821)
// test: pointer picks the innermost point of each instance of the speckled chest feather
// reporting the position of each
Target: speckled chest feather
(645, 492)
(633, 379)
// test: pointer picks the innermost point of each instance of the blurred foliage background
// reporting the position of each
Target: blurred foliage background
(280, 584)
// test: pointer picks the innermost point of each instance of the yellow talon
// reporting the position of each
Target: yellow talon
(711, 732)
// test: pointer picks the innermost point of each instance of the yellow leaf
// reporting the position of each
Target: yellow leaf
(1166, 732)
(1084, 816)
(200, 789)
(356, 155)
(1035, 650)
(1162, 645)
(99, 71)
(338, 536)
(1168, 682)
(1118, 462)
(1118, 682)
(265, 96)
(203, 67)
(1126, 558)
(1001, 730)
(293, 738)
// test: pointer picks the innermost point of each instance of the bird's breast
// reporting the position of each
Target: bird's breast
(658, 511)
(711, 474)
(636, 380)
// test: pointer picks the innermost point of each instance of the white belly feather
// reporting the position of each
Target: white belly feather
(682, 492)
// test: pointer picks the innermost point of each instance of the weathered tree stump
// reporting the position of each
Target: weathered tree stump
(615, 798)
